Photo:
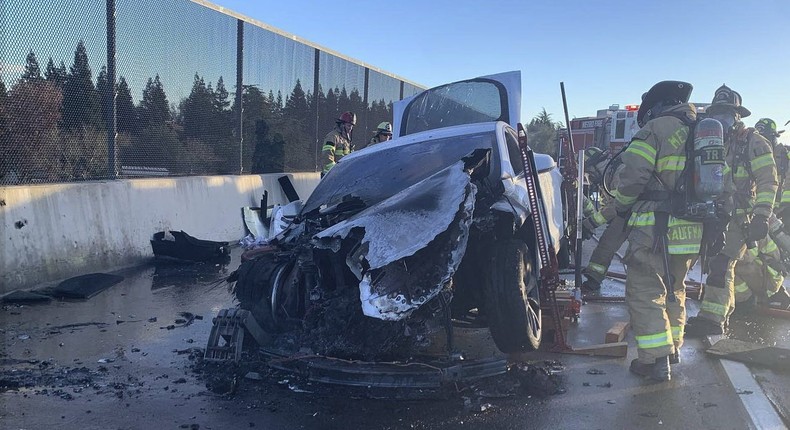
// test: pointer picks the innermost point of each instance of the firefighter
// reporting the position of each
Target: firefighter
(753, 171)
(595, 160)
(758, 276)
(767, 129)
(612, 237)
(337, 143)
(661, 248)
(383, 133)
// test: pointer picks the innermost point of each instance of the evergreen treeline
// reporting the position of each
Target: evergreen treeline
(53, 125)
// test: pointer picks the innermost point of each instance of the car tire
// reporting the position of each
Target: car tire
(511, 298)
(253, 289)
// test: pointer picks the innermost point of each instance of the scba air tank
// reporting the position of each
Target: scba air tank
(777, 232)
(708, 183)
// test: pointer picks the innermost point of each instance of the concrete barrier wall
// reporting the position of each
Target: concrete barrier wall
(55, 231)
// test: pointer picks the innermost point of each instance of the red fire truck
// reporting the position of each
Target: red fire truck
(611, 128)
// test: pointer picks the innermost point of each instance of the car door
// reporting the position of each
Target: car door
(485, 99)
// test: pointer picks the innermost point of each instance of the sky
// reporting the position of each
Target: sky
(606, 51)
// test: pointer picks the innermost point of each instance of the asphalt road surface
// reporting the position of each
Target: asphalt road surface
(130, 358)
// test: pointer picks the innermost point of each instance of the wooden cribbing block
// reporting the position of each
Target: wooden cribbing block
(617, 332)
(619, 349)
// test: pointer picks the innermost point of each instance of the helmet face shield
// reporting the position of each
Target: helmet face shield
(767, 128)
(348, 118)
(727, 118)
(384, 128)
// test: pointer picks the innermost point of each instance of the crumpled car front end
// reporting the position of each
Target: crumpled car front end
(382, 235)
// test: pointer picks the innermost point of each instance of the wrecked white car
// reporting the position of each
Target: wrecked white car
(401, 238)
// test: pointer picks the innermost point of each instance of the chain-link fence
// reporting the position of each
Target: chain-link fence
(197, 92)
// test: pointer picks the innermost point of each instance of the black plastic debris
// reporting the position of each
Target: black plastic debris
(288, 188)
(85, 286)
(186, 247)
(751, 353)
(25, 297)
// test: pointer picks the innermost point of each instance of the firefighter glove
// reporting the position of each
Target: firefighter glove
(723, 213)
(588, 227)
(784, 215)
(717, 244)
(624, 213)
(758, 228)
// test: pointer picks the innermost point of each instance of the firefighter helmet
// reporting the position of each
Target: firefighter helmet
(593, 155)
(725, 97)
(767, 127)
(384, 128)
(594, 165)
(348, 118)
(661, 96)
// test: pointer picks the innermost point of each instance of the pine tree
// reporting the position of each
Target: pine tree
(330, 113)
(198, 109)
(56, 75)
(32, 71)
(102, 86)
(154, 108)
(81, 107)
(32, 114)
(318, 110)
(356, 103)
(3, 117)
(295, 125)
(124, 108)
(221, 101)
(224, 119)
(296, 108)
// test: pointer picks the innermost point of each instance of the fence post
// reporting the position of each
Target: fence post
(316, 88)
(240, 91)
(368, 126)
(109, 96)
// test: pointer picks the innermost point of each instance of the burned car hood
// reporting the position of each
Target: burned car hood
(411, 243)
(379, 172)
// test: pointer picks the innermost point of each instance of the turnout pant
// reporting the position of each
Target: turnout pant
(718, 300)
(611, 240)
(754, 274)
(657, 323)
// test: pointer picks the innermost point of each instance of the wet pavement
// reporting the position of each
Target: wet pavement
(129, 358)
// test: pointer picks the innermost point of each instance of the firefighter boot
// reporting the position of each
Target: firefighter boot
(674, 358)
(701, 327)
(746, 307)
(591, 285)
(658, 371)
(780, 300)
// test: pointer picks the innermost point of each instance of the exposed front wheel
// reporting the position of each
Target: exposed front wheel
(255, 287)
(512, 300)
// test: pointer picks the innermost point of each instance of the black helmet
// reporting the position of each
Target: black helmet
(726, 97)
(660, 96)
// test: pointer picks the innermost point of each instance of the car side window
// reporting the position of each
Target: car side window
(513, 151)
